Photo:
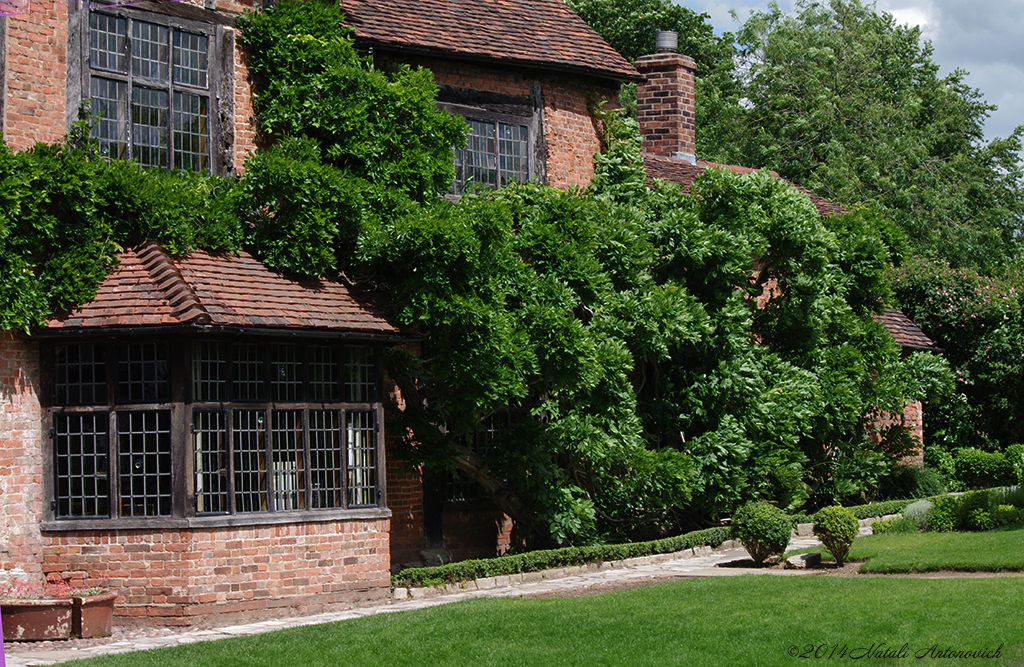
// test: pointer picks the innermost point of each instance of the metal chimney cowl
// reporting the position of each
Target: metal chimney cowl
(667, 41)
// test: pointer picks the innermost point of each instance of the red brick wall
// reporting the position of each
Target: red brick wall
(21, 471)
(179, 577)
(913, 418)
(36, 79)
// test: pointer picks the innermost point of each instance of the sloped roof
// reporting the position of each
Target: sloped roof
(149, 288)
(907, 334)
(536, 33)
(682, 172)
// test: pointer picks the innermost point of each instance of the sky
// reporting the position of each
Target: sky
(984, 37)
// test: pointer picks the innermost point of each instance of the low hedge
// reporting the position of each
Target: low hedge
(535, 561)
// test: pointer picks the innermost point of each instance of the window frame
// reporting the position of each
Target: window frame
(501, 108)
(181, 410)
(219, 89)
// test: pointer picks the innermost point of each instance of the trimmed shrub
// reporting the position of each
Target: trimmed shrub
(1005, 515)
(942, 517)
(917, 513)
(836, 527)
(980, 470)
(897, 525)
(535, 561)
(763, 529)
(1015, 455)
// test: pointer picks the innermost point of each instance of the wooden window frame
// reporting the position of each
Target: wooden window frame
(219, 90)
(181, 409)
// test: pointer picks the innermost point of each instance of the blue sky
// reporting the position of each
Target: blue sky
(984, 37)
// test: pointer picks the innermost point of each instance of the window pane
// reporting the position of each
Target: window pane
(209, 447)
(326, 464)
(144, 463)
(142, 375)
(285, 373)
(247, 380)
(110, 103)
(190, 60)
(191, 132)
(512, 154)
(81, 469)
(360, 375)
(324, 384)
(362, 459)
(149, 51)
(149, 126)
(209, 372)
(80, 375)
(249, 445)
(480, 166)
(289, 471)
(107, 42)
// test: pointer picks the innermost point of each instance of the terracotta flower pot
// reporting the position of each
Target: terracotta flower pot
(93, 615)
(36, 620)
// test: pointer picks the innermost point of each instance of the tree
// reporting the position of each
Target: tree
(843, 100)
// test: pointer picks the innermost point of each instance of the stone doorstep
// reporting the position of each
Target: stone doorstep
(503, 581)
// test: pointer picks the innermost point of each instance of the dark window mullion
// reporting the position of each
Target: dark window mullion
(343, 439)
(170, 97)
(268, 450)
(230, 445)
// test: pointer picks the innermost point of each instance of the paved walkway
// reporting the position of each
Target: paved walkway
(638, 569)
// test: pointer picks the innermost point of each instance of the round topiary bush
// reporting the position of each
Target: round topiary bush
(763, 529)
(836, 527)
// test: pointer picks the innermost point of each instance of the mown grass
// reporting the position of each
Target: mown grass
(735, 621)
(992, 551)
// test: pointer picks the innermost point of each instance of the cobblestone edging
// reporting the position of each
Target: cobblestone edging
(502, 581)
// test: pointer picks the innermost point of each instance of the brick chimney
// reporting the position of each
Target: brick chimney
(665, 106)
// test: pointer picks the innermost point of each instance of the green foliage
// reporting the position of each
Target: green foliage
(535, 561)
(894, 525)
(846, 101)
(1015, 455)
(978, 470)
(912, 481)
(918, 512)
(836, 527)
(382, 127)
(977, 510)
(763, 529)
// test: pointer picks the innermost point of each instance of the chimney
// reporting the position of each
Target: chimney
(665, 106)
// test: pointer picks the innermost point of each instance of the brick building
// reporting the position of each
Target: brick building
(205, 434)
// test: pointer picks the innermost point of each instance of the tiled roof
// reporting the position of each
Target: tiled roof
(906, 333)
(150, 288)
(684, 173)
(540, 33)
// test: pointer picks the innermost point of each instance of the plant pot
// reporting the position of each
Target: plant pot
(93, 615)
(36, 620)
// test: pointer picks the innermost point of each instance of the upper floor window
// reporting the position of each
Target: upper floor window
(504, 142)
(496, 154)
(149, 85)
(157, 81)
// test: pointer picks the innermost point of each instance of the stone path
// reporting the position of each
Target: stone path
(696, 564)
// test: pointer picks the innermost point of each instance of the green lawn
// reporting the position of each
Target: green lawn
(992, 551)
(735, 621)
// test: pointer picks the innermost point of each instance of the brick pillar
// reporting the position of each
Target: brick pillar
(665, 105)
(21, 461)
